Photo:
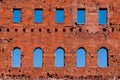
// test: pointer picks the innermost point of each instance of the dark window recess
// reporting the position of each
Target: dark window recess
(112, 29)
(91, 56)
(104, 30)
(2, 74)
(8, 30)
(64, 30)
(48, 30)
(9, 71)
(112, 55)
(32, 30)
(1, 0)
(0, 30)
(71, 29)
(16, 30)
(87, 30)
(40, 30)
(19, 70)
(24, 30)
(2, 49)
(80, 30)
(56, 30)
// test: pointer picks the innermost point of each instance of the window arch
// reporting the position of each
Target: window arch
(16, 60)
(59, 59)
(81, 57)
(102, 57)
(38, 56)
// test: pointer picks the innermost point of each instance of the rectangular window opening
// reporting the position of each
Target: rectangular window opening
(59, 15)
(17, 15)
(38, 15)
(103, 16)
(81, 16)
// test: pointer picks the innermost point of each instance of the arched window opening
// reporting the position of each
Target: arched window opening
(102, 57)
(81, 57)
(59, 59)
(16, 62)
(38, 54)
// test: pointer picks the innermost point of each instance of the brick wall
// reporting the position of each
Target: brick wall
(91, 37)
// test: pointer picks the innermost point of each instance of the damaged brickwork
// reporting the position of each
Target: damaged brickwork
(50, 35)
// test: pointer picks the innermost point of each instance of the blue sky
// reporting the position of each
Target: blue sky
(59, 60)
(59, 15)
(102, 57)
(81, 58)
(16, 57)
(81, 16)
(38, 57)
(103, 16)
(17, 15)
(38, 15)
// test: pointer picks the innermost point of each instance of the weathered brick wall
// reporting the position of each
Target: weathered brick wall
(91, 37)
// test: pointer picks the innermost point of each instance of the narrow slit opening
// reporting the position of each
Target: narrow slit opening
(16, 30)
(48, 30)
(32, 30)
(64, 30)
(24, 30)
(56, 30)
(80, 30)
(104, 29)
(40, 30)
(8, 30)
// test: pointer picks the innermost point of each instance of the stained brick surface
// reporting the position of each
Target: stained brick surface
(91, 37)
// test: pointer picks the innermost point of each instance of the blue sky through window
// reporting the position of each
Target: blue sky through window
(17, 15)
(59, 58)
(81, 16)
(81, 58)
(103, 16)
(59, 15)
(16, 57)
(38, 15)
(38, 54)
(102, 57)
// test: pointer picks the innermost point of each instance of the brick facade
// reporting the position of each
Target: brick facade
(91, 36)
